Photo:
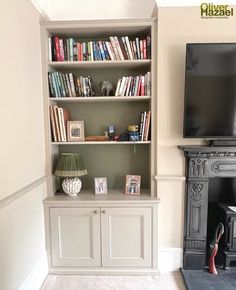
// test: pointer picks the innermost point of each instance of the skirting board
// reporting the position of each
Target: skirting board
(37, 276)
(104, 272)
(170, 259)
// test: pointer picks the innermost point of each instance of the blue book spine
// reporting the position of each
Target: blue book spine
(71, 44)
(95, 56)
(54, 81)
(59, 84)
(99, 52)
(107, 56)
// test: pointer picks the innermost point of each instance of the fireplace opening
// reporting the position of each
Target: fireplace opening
(221, 199)
(210, 184)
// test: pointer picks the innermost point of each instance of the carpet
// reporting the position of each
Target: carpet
(195, 280)
(172, 281)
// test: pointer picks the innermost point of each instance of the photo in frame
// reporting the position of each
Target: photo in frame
(132, 185)
(100, 184)
(75, 131)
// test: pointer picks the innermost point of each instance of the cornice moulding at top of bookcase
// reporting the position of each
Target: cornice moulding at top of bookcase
(99, 23)
(92, 28)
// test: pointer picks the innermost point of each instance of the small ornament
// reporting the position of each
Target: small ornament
(107, 88)
(71, 186)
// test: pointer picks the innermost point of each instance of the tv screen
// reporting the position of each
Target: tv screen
(210, 90)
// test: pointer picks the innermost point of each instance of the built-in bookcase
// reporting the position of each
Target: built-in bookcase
(111, 159)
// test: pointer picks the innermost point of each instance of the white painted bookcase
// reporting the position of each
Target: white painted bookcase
(114, 233)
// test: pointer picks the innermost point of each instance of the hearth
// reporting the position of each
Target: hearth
(195, 280)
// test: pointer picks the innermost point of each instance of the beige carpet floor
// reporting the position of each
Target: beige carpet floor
(171, 281)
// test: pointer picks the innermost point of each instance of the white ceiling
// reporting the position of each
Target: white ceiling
(107, 9)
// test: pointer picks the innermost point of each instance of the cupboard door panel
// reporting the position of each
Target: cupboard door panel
(75, 236)
(126, 237)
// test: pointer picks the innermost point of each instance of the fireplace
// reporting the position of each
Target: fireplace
(210, 189)
(226, 213)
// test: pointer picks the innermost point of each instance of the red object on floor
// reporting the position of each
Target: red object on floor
(214, 248)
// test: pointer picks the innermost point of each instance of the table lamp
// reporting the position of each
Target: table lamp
(70, 166)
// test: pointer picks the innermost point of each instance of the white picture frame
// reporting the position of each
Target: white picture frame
(75, 131)
(100, 185)
(132, 184)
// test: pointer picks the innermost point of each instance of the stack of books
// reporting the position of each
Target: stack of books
(69, 85)
(144, 128)
(122, 48)
(134, 86)
(58, 120)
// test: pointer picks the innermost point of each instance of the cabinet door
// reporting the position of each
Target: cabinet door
(126, 237)
(75, 236)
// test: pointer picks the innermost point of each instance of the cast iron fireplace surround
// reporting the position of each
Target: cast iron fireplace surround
(202, 164)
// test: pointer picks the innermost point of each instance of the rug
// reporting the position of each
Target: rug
(72, 282)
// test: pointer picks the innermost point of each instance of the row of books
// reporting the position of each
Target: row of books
(69, 85)
(59, 117)
(58, 120)
(117, 48)
(144, 127)
(134, 86)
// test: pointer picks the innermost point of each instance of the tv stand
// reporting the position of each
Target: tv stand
(223, 143)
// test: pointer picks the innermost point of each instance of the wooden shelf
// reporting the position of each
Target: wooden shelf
(99, 64)
(101, 99)
(103, 143)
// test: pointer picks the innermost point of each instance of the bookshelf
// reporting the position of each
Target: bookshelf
(102, 99)
(101, 64)
(111, 159)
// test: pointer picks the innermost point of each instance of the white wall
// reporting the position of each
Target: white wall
(177, 26)
(22, 246)
(22, 145)
(99, 9)
(21, 118)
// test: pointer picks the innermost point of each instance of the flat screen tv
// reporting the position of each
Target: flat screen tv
(210, 91)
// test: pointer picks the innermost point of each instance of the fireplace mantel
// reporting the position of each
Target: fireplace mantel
(202, 163)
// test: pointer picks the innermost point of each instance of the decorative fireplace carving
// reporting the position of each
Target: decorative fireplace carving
(198, 166)
(202, 162)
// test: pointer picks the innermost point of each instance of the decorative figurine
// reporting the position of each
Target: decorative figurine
(111, 132)
(213, 248)
(107, 88)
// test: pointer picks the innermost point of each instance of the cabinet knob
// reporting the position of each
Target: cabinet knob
(103, 211)
(95, 212)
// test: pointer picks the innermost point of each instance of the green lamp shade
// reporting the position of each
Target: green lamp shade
(70, 165)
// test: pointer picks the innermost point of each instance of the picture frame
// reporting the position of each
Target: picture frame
(100, 184)
(75, 131)
(132, 184)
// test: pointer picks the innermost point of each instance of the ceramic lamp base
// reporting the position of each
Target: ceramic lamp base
(71, 186)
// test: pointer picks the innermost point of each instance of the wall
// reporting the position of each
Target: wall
(22, 165)
(176, 27)
(99, 9)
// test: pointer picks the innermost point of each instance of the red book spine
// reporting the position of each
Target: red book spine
(144, 49)
(142, 86)
(141, 48)
(139, 86)
(61, 50)
(56, 43)
(78, 52)
(81, 51)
